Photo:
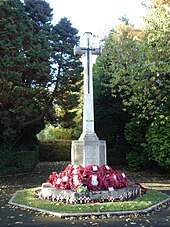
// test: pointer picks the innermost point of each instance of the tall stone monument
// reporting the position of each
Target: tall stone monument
(88, 149)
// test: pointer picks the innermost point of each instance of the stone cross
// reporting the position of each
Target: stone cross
(88, 110)
(88, 149)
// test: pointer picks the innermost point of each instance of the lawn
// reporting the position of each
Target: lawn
(27, 197)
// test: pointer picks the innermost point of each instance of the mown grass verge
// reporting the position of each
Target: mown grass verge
(27, 197)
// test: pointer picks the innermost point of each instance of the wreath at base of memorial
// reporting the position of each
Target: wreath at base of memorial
(93, 176)
(94, 182)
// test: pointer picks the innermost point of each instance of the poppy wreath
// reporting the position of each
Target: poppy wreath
(57, 183)
(52, 178)
(122, 179)
(63, 180)
(115, 181)
(69, 169)
(107, 170)
(74, 169)
(94, 182)
(142, 188)
(93, 169)
(77, 170)
(125, 180)
(108, 181)
(75, 181)
(94, 175)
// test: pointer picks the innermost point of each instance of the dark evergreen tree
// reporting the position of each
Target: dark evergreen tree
(68, 70)
(24, 71)
(37, 71)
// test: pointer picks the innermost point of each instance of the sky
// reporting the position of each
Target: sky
(97, 16)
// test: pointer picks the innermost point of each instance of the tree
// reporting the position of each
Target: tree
(68, 70)
(136, 64)
(110, 71)
(157, 137)
(109, 116)
(157, 54)
(143, 69)
(24, 73)
(38, 69)
(110, 119)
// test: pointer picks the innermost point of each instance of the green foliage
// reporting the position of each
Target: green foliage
(138, 64)
(17, 162)
(117, 154)
(134, 68)
(4, 160)
(135, 131)
(157, 26)
(67, 72)
(30, 46)
(24, 73)
(55, 150)
(110, 119)
(137, 160)
(58, 133)
(158, 141)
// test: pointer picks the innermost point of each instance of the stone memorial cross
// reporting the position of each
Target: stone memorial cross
(88, 149)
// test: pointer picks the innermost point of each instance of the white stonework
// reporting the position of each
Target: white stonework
(88, 149)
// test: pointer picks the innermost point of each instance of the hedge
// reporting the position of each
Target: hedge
(12, 162)
(54, 151)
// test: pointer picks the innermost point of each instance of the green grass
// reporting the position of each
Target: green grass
(27, 197)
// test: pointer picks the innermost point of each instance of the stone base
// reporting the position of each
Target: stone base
(69, 196)
(88, 150)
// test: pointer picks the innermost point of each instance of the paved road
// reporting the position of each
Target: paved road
(13, 216)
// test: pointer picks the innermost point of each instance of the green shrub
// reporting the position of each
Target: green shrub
(54, 150)
(4, 160)
(26, 160)
(51, 133)
(117, 154)
(137, 161)
(135, 132)
(12, 162)
(158, 142)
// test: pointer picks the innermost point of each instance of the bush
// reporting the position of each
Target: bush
(54, 150)
(137, 161)
(12, 162)
(135, 132)
(117, 154)
(158, 142)
(51, 133)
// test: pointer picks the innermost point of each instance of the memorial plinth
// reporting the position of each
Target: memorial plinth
(88, 150)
